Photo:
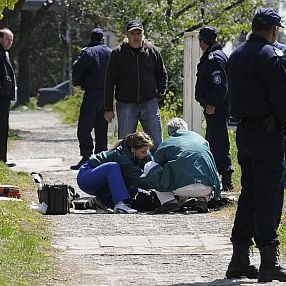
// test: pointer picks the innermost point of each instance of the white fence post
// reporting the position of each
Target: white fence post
(191, 109)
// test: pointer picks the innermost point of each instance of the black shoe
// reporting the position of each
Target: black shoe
(227, 182)
(10, 165)
(201, 206)
(171, 206)
(270, 268)
(228, 188)
(80, 163)
(240, 265)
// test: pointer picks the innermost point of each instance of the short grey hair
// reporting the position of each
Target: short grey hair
(176, 124)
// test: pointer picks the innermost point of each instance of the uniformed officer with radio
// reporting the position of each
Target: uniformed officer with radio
(212, 94)
(257, 86)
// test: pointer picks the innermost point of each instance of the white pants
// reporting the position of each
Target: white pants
(189, 191)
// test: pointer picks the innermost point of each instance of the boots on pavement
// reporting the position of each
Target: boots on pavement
(240, 265)
(270, 268)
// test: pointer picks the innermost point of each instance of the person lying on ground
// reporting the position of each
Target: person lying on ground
(119, 168)
(186, 168)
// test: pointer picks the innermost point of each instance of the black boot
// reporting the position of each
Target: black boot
(240, 265)
(269, 268)
(80, 163)
(227, 182)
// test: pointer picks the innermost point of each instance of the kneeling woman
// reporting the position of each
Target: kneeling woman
(119, 168)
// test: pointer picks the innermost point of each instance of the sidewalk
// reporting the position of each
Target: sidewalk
(114, 249)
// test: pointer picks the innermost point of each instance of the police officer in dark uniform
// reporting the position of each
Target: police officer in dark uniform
(89, 73)
(212, 94)
(257, 85)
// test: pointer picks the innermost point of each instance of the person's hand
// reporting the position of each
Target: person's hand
(109, 115)
(210, 109)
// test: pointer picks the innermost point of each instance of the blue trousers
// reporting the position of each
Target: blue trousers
(261, 157)
(217, 136)
(147, 113)
(93, 181)
(92, 118)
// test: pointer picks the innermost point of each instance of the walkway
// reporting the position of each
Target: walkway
(109, 249)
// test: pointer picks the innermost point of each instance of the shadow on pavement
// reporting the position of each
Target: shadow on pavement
(224, 281)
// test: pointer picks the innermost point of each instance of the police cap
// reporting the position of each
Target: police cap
(266, 16)
(96, 35)
(208, 34)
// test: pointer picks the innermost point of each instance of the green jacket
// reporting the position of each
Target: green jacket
(185, 158)
(131, 167)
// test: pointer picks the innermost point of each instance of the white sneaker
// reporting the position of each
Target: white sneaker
(122, 208)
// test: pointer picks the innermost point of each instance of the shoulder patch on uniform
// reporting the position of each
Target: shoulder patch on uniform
(217, 79)
(210, 56)
(278, 52)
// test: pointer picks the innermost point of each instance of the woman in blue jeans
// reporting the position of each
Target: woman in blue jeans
(119, 168)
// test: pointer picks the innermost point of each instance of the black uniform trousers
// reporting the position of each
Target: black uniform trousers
(217, 136)
(92, 117)
(261, 157)
(4, 127)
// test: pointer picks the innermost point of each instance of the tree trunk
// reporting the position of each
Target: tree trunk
(24, 85)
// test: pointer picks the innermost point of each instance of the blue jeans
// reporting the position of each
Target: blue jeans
(147, 113)
(93, 180)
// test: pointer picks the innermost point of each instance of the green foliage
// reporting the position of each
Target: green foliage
(166, 21)
(171, 107)
(282, 229)
(70, 106)
(25, 257)
(7, 4)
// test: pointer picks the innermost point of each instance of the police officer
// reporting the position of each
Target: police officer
(212, 94)
(88, 73)
(257, 84)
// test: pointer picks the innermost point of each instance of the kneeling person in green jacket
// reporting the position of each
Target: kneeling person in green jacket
(186, 168)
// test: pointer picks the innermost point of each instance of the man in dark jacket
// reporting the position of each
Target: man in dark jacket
(257, 84)
(212, 94)
(7, 90)
(136, 75)
(88, 73)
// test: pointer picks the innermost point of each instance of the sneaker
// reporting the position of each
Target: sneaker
(171, 206)
(122, 208)
(80, 163)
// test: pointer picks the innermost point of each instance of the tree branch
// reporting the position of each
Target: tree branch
(199, 25)
(33, 24)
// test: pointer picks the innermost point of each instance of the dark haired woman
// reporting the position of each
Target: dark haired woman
(119, 168)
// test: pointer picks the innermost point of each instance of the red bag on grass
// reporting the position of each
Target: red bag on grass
(10, 191)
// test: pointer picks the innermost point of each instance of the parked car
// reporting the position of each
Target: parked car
(47, 95)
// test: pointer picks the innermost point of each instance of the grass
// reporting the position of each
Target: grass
(25, 252)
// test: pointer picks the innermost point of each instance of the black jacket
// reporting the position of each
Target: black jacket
(211, 86)
(7, 76)
(134, 77)
(257, 80)
(89, 68)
